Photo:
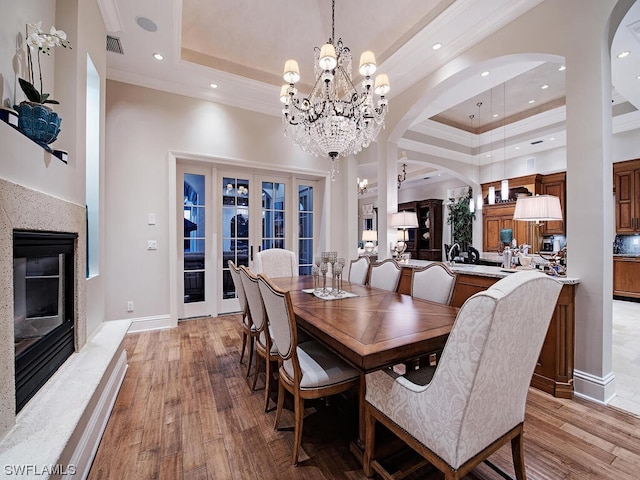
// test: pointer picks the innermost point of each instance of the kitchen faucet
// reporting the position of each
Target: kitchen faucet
(451, 250)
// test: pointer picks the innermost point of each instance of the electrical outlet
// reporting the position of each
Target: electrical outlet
(130, 306)
(152, 244)
(636, 241)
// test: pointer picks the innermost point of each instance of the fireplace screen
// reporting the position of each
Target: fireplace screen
(43, 271)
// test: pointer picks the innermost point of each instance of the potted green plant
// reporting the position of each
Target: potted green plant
(461, 220)
(36, 119)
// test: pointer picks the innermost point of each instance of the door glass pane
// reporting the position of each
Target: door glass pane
(273, 219)
(194, 237)
(235, 229)
(305, 229)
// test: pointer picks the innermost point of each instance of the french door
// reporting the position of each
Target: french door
(256, 215)
(195, 227)
(231, 215)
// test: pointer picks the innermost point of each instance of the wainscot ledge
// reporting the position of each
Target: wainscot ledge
(58, 431)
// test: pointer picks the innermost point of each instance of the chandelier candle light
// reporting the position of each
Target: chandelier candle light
(335, 118)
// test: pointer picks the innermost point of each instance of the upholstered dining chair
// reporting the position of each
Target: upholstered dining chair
(248, 329)
(433, 282)
(264, 347)
(276, 262)
(307, 370)
(358, 270)
(385, 275)
(474, 401)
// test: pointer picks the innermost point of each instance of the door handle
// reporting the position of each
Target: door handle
(251, 253)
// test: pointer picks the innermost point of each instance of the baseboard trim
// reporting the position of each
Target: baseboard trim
(157, 322)
(597, 389)
(84, 452)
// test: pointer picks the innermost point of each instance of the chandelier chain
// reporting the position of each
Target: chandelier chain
(333, 21)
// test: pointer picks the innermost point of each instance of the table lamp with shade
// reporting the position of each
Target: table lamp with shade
(539, 208)
(369, 237)
(403, 221)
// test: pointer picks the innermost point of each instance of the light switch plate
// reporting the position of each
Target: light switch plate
(151, 219)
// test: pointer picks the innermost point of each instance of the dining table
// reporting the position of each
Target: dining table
(368, 327)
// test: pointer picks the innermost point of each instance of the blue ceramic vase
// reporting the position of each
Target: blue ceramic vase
(38, 122)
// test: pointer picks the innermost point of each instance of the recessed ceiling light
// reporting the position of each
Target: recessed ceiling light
(517, 148)
(488, 155)
(436, 46)
(552, 139)
(544, 87)
(624, 54)
(146, 24)
(532, 101)
(562, 67)
(213, 85)
(158, 56)
(495, 115)
(485, 73)
(638, 77)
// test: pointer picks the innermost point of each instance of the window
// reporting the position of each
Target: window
(305, 229)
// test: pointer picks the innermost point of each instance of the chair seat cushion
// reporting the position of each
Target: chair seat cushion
(320, 367)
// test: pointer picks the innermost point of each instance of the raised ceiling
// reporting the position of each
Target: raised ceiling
(241, 45)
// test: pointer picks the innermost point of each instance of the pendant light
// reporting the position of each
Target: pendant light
(492, 189)
(472, 205)
(504, 186)
(479, 200)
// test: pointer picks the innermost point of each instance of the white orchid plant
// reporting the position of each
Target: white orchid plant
(41, 42)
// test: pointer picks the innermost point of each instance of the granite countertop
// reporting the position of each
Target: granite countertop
(630, 255)
(484, 270)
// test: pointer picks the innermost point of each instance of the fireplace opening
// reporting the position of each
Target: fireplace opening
(43, 306)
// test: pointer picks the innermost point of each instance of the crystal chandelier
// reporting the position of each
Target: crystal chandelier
(335, 118)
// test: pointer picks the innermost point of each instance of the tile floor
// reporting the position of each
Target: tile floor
(626, 355)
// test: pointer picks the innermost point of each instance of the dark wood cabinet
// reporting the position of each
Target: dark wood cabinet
(555, 185)
(425, 242)
(498, 217)
(626, 277)
(626, 179)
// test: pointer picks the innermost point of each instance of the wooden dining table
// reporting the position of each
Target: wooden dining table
(373, 329)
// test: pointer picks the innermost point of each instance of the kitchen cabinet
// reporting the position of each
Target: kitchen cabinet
(500, 216)
(626, 277)
(626, 178)
(425, 242)
(555, 184)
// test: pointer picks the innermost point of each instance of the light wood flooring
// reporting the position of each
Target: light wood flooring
(185, 411)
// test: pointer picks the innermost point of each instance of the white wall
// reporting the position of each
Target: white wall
(143, 126)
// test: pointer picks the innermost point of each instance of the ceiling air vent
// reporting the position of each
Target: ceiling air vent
(536, 142)
(114, 45)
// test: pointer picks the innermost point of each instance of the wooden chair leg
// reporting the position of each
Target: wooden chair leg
(280, 404)
(369, 442)
(256, 368)
(267, 383)
(297, 435)
(251, 348)
(517, 451)
(244, 346)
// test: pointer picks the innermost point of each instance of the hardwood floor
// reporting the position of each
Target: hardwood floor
(185, 411)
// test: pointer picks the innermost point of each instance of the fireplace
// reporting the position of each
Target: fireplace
(43, 286)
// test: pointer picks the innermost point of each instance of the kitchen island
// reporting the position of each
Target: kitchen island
(554, 371)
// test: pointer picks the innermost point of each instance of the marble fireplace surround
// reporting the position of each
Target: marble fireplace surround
(25, 209)
(64, 421)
